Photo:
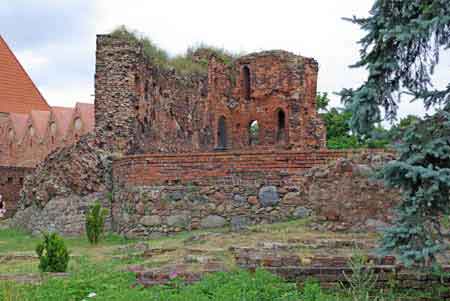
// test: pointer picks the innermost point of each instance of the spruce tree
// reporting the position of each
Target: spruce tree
(400, 50)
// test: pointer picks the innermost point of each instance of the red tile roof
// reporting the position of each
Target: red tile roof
(18, 94)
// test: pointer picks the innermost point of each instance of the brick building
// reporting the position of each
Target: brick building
(29, 128)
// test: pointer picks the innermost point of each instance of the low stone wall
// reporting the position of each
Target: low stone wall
(11, 181)
(161, 194)
(64, 215)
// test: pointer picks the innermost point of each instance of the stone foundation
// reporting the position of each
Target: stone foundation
(156, 195)
(64, 215)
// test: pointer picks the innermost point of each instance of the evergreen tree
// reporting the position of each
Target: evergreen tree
(400, 51)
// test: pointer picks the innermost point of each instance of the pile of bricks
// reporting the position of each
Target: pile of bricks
(163, 276)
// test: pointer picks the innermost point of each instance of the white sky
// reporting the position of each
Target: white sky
(310, 28)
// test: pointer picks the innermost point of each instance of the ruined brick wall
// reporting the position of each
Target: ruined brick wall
(172, 116)
(169, 193)
(142, 108)
(79, 169)
(334, 271)
(261, 87)
(11, 181)
(164, 168)
(116, 100)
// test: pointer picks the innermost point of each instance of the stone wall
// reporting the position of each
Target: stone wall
(116, 102)
(79, 169)
(64, 215)
(11, 182)
(163, 194)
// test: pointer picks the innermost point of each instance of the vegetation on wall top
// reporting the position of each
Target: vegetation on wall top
(193, 61)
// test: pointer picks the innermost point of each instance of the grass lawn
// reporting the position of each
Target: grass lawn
(101, 269)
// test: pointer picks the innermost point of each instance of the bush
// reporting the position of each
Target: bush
(53, 254)
(361, 283)
(95, 222)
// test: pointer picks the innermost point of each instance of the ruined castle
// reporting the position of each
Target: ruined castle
(172, 151)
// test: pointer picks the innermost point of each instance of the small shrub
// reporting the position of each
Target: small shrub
(95, 222)
(362, 280)
(53, 254)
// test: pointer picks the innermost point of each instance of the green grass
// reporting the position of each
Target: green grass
(185, 64)
(111, 284)
(18, 241)
(96, 269)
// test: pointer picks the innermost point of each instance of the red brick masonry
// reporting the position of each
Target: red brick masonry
(160, 168)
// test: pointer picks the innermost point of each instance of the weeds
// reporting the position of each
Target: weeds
(193, 61)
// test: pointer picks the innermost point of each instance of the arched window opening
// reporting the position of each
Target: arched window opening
(78, 124)
(137, 84)
(222, 133)
(53, 140)
(146, 96)
(246, 85)
(281, 129)
(253, 132)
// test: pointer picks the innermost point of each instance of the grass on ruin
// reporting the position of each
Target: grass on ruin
(108, 283)
(101, 269)
(214, 243)
(185, 64)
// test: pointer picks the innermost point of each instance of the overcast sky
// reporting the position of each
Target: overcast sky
(55, 39)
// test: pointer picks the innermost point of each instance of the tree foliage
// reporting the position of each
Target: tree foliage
(95, 222)
(339, 134)
(422, 172)
(53, 254)
(400, 51)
